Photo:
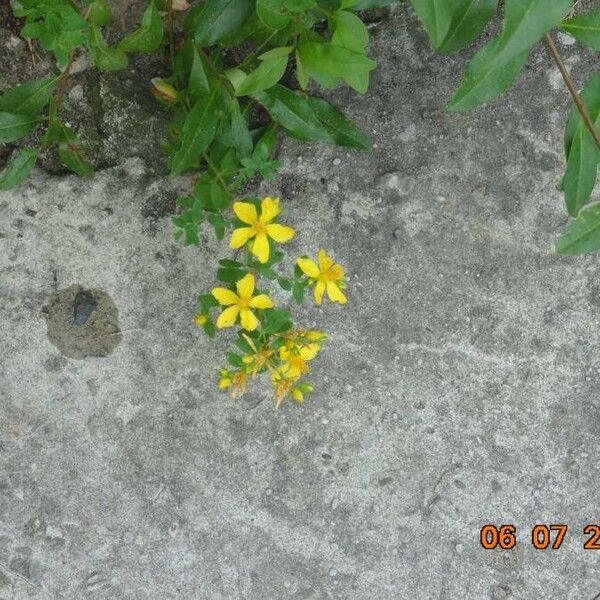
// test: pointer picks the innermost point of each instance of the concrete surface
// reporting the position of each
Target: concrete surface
(459, 387)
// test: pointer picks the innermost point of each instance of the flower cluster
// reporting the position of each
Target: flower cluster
(267, 340)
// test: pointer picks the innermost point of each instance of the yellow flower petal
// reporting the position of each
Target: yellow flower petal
(269, 209)
(245, 286)
(260, 248)
(240, 236)
(224, 296)
(228, 317)
(335, 294)
(309, 352)
(297, 395)
(261, 301)
(325, 261)
(335, 272)
(280, 233)
(248, 319)
(319, 291)
(245, 212)
(309, 267)
(224, 383)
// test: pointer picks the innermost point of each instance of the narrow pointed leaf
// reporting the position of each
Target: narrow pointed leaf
(29, 98)
(18, 168)
(469, 19)
(436, 16)
(215, 20)
(581, 151)
(103, 56)
(495, 67)
(149, 35)
(198, 132)
(585, 28)
(293, 113)
(14, 127)
(339, 127)
(266, 75)
(584, 233)
(580, 175)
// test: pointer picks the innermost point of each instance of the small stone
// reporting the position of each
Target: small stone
(336, 161)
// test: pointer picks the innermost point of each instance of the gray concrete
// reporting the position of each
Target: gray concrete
(459, 387)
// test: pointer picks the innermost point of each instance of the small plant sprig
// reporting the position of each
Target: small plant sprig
(267, 337)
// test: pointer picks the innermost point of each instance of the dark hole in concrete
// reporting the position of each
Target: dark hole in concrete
(83, 306)
(82, 322)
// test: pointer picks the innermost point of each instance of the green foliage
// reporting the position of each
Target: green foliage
(454, 24)
(495, 67)
(585, 28)
(583, 234)
(18, 169)
(236, 66)
(149, 36)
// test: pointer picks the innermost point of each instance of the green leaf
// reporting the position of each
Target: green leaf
(197, 134)
(580, 175)
(29, 98)
(495, 67)
(340, 128)
(207, 301)
(236, 134)
(149, 36)
(276, 52)
(436, 16)
(469, 19)
(198, 83)
(276, 321)
(365, 4)
(349, 31)
(582, 153)
(584, 233)
(73, 156)
(273, 13)
(218, 224)
(268, 73)
(235, 360)
(99, 13)
(326, 63)
(209, 329)
(18, 169)
(585, 28)
(298, 292)
(285, 283)
(70, 149)
(14, 127)
(231, 274)
(215, 20)
(102, 55)
(293, 113)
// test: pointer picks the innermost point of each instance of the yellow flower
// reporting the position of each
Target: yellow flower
(295, 360)
(240, 304)
(236, 381)
(297, 395)
(260, 228)
(306, 343)
(200, 320)
(258, 361)
(283, 380)
(328, 275)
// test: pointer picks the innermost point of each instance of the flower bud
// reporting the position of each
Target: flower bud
(200, 320)
(180, 5)
(163, 90)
